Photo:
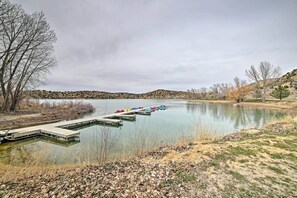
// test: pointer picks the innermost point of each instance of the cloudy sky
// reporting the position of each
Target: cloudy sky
(142, 45)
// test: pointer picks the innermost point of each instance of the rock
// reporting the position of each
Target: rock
(2, 187)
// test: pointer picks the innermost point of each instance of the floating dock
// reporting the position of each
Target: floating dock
(63, 130)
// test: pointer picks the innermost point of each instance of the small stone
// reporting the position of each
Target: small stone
(2, 187)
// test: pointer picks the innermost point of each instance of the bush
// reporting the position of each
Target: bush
(280, 92)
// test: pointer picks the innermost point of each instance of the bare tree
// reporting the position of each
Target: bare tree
(219, 90)
(193, 93)
(223, 90)
(261, 76)
(215, 91)
(238, 91)
(203, 92)
(26, 52)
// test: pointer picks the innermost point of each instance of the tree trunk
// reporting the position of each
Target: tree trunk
(6, 99)
(14, 102)
(263, 95)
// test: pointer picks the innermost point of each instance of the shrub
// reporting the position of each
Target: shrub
(280, 92)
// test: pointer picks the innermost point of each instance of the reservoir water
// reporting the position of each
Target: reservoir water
(97, 143)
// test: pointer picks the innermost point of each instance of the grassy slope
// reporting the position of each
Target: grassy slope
(250, 163)
(285, 80)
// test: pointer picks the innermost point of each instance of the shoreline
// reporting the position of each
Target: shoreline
(39, 114)
(198, 168)
(282, 105)
(9, 121)
(212, 101)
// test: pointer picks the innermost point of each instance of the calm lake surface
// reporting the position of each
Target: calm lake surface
(99, 143)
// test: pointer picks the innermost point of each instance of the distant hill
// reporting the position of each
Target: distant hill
(157, 94)
(289, 80)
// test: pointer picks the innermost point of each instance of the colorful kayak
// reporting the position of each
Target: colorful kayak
(162, 107)
(150, 109)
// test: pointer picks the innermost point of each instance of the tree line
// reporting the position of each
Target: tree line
(261, 77)
(26, 52)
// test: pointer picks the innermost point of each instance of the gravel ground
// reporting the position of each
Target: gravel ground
(253, 163)
(120, 179)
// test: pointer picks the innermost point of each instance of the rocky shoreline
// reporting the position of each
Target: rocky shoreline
(45, 114)
(249, 163)
(120, 179)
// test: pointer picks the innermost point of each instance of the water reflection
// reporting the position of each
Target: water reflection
(25, 151)
(101, 143)
(238, 115)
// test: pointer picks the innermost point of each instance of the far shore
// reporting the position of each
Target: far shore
(212, 101)
(35, 115)
(284, 105)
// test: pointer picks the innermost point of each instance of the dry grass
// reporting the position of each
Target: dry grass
(199, 134)
(290, 106)
(202, 134)
(13, 173)
(257, 164)
(39, 162)
(35, 113)
(285, 105)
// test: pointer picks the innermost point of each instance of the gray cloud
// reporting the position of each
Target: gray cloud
(142, 45)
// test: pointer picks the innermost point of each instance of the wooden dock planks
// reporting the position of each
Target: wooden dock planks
(61, 130)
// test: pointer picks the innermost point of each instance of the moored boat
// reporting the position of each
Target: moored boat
(162, 107)
(127, 110)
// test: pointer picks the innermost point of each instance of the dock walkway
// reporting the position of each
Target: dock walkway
(62, 130)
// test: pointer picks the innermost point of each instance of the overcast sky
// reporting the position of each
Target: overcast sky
(142, 45)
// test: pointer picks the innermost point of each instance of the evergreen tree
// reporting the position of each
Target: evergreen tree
(280, 92)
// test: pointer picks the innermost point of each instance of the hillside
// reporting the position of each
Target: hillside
(289, 80)
(157, 94)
